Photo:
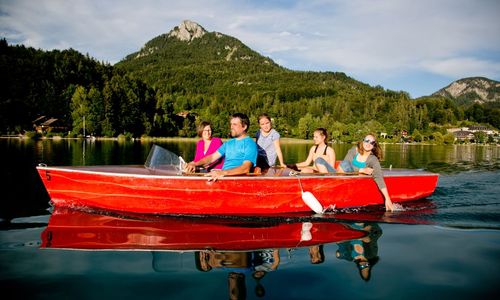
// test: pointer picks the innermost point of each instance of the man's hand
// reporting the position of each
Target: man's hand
(215, 175)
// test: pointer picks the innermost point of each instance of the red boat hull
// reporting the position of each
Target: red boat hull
(135, 189)
(72, 229)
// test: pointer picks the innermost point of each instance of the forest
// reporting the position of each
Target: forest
(149, 97)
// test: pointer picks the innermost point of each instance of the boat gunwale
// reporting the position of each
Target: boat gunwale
(204, 176)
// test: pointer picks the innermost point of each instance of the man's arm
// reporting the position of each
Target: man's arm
(244, 168)
(190, 167)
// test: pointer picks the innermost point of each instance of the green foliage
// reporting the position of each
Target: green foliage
(417, 136)
(41, 83)
(437, 138)
(480, 137)
(33, 135)
(170, 85)
(449, 138)
(483, 114)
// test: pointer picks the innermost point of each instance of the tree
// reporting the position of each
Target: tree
(336, 129)
(438, 137)
(163, 120)
(449, 138)
(95, 112)
(417, 136)
(480, 137)
(306, 127)
(80, 109)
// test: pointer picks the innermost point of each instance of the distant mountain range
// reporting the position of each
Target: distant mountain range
(201, 61)
(472, 90)
(190, 74)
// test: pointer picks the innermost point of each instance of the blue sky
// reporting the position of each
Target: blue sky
(402, 45)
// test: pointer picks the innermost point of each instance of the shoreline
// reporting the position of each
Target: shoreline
(285, 140)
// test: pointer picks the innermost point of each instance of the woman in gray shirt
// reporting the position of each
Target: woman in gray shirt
(365, 158)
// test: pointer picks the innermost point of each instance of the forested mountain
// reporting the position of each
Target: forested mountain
(191, 61)
(479, 97)
(213, 75)
(190, 74)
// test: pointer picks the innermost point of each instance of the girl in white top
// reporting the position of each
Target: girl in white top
(268, 141)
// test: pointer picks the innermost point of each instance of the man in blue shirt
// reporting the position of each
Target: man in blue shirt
(240, 153)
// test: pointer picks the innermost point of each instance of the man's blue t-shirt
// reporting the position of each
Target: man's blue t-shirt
(236, 151)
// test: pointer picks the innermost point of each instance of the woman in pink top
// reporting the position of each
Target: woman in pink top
(207, 145)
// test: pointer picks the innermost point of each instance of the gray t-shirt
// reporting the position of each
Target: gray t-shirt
(371, 162)
(266, 145)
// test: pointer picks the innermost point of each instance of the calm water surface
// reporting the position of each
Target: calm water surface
(443, 247)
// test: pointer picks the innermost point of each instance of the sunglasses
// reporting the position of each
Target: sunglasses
(373, 143)
(363, 265)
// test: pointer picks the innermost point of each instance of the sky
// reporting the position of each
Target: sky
(403, 45)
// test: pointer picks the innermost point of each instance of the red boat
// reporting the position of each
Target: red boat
(144, 190)
(73, 229)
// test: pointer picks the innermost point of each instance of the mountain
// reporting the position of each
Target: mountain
(472, 90)
(211, 75)
(191, 60)
(189, 44)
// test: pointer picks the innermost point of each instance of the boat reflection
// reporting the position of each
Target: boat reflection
(362, 251)
(247, 249)
(74, 229)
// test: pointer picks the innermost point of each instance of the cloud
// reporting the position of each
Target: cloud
(463, 67)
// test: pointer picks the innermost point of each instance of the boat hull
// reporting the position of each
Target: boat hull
(137, 189)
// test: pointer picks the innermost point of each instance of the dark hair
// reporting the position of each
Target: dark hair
(371, 262)
(262, 116)
(197, 262)
(202, 126)
(243, 118)
(323, 132)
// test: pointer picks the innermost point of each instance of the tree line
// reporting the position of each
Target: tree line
(114, 100)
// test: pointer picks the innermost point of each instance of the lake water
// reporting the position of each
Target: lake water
(446, 246)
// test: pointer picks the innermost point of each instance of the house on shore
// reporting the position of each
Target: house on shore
(467, 133)
(45, 124)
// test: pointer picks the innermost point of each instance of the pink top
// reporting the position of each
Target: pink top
(214, 145)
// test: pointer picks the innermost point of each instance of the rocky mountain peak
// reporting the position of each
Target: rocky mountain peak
(187, 31)
(474, 89)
